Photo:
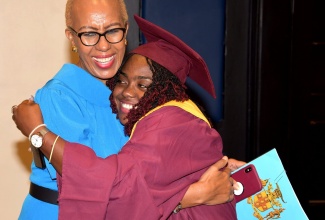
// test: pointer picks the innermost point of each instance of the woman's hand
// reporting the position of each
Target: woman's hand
(27, 115)
(215, 186)
(234, 164)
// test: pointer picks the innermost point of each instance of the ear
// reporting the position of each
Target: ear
(69, 35)
(127, 28)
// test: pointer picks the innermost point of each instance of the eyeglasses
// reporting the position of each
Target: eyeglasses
(91, 38)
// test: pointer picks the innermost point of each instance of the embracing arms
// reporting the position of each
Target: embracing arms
(214, 186)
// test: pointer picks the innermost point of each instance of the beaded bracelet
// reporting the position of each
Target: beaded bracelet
(178, 208)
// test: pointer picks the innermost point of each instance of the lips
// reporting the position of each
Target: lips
(104, 62)
(125, 108)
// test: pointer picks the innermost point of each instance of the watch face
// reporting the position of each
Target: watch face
(36, 140)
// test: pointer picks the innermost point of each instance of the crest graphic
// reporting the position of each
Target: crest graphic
(268, 203)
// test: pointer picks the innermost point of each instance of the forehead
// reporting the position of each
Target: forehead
(96, 13)
(136, 64)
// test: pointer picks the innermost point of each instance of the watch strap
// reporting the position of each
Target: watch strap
(43, 131)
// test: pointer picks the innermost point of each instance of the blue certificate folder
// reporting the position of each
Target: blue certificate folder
(277, 199)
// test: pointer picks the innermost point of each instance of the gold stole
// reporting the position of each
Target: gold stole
(188, 106)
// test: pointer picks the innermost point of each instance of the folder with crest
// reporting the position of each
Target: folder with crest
(277, 199)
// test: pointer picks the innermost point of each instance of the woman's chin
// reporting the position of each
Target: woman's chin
(122, 119)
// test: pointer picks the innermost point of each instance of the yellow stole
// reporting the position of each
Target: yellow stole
(188, 106)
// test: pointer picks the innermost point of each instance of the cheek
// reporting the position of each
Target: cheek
(84, 51)
(120, 50)
(117, 91)
(140, 94)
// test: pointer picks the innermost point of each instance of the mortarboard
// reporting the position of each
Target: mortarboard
(173, 54)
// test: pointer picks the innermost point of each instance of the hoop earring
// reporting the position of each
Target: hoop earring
(126, 42)
(74, 49)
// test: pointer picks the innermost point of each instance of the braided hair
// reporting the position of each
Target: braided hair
(165, 87)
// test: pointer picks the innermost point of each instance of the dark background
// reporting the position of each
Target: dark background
(267, 60)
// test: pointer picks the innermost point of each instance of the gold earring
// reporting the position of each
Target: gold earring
(74, 49)
(126, 42)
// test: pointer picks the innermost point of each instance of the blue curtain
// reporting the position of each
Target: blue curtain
(200, 24)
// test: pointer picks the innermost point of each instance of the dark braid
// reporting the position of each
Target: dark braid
(165, 87)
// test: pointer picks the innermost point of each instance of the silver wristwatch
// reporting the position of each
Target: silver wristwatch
(37, 139)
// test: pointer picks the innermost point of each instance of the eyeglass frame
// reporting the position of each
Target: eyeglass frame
(99, 34)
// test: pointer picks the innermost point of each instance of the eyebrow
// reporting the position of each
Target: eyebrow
(96, 29)
(145, 77)
(139, 77)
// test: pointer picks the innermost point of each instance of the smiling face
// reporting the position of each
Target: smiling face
(133, 81)
(103, 59)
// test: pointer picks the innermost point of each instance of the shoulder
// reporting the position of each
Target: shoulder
(167, 115)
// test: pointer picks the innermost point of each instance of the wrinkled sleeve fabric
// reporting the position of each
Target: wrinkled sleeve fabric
(87, 183)
(169, 150)
(64, 113)
(79, 112)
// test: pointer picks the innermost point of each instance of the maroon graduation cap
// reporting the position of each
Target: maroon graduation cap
(173, 54)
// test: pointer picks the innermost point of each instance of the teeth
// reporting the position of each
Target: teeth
(127, 106)
(103, 60)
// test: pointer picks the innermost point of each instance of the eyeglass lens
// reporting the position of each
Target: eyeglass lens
(113, 36)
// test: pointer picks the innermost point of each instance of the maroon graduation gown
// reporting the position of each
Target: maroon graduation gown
(169, 150)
